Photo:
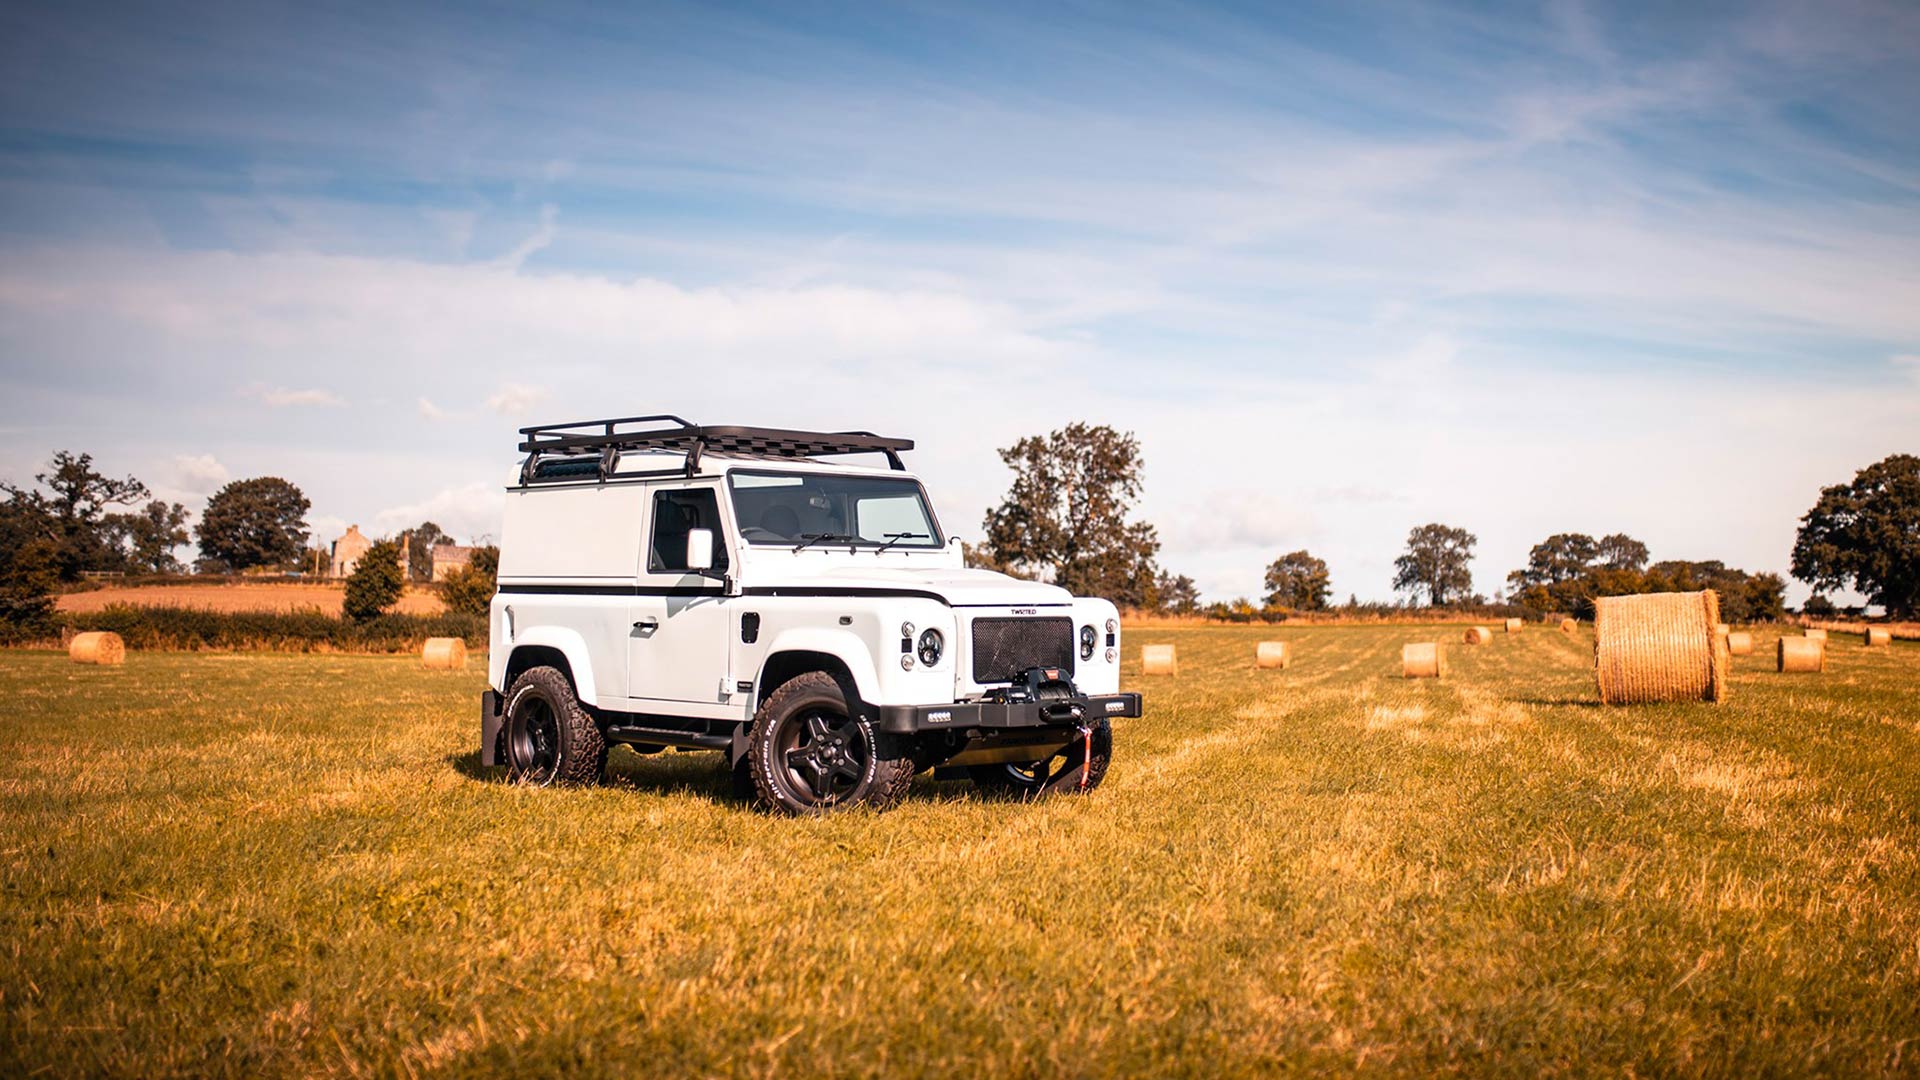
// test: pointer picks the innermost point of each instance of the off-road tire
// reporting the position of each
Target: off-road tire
(1065, 773)
(783, 732)
(550, 737)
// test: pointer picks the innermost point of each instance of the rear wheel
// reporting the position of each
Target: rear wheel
(807, 752)
(1070, 769)
(549, 737)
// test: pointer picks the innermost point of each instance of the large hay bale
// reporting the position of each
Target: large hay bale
(1817, 634)
(1427, 660)
(1658, 647)
(1158, 660)
(444, 654)
(1272, 654)
(1878, 636)
(1802, 655)
(1568, 626)
(1513, 626)
(1478, 635)
(1740, 643)
(97, 647)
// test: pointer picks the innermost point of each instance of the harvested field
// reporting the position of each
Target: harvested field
(275, 597)
(271, 865)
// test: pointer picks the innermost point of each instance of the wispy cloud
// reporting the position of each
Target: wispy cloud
(281, 397)
(429, 411)
(514, 399)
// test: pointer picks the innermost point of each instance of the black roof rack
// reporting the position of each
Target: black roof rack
(574, 442)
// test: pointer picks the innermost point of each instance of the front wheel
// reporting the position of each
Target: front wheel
(1078, 766)
(809, 753)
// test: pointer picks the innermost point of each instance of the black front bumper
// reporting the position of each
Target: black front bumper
(996, 715)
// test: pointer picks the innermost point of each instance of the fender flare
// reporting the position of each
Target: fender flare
(572, 646)
(843, 646)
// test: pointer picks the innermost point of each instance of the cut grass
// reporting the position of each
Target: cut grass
(292, 864)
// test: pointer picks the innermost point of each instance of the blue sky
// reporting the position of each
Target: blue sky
(1345, 269)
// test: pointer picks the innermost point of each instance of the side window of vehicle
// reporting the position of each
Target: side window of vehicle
(675, 514)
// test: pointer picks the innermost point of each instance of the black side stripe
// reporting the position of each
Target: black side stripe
(612, 590)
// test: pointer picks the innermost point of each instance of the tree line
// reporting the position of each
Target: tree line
(1068, 518)
(76, 520)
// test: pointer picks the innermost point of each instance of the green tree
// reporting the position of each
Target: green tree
(470, 588)
(376, 582)
(1436, 564)
(1865, 535)
(1621, 552)
(29, 570)
(151, 535)
(1175, 594)
(1299, 581)
(1065, 517)
(74, 515)
(420, 544)
(252, 523)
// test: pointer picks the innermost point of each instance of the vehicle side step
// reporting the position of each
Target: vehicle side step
(653, 736)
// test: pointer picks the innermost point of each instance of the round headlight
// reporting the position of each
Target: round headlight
(1088, 639)
(930, 645)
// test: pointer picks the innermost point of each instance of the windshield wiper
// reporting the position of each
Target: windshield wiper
(894, 538)
(811, 539)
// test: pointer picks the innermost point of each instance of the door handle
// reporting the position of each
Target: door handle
(648, 623)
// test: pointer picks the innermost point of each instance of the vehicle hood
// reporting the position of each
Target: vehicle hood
(958, 586)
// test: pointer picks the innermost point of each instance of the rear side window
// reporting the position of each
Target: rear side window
(675, 514)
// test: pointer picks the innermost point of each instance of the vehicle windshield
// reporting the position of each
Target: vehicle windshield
(825, 510)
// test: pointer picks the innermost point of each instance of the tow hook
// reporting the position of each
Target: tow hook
(1086, 755)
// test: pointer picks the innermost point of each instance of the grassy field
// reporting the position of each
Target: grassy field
(254, 865)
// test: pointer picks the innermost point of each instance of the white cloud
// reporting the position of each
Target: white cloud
(281, 397)
(1909, 363)
(469, 512)
(514, 399)
(429, 411)
(537, 242)
(198, 474)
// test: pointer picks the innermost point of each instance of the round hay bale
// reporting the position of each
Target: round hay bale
(1878, 636)
(1740, 643)
(1513, 626)
(1272, 654)
(1568, 626)
(1427, 660)
(444, 654)
(1658, 647)
(1158, 660)
(1816, 634)
(97, 647)
(1478, 635)
(1802, 655)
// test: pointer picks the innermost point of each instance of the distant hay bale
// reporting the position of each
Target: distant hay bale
(1427, 660)
(1478, 635)
(1568, 626)
(97, 647)
(1513, 626)
(1272, 654)
(1817, 634)
(444, 654)
(1158, 660)
(1658, 647)
(1740, 643)
(1802, 655)
(1878, 636)
(1722, 629)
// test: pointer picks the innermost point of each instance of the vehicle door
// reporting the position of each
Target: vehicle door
(678, 647)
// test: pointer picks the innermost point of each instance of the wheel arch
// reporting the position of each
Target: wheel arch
(555, 647)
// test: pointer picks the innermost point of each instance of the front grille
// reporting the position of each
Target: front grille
(1003, 648)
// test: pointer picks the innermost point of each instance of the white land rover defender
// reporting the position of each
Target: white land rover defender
(664, 584)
